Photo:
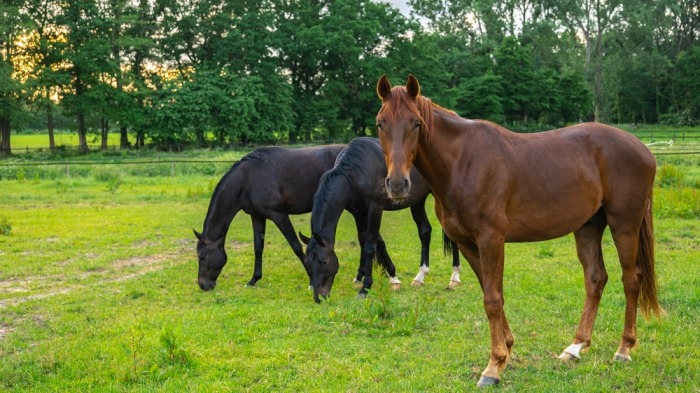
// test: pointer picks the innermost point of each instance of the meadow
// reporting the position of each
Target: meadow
(98, 293)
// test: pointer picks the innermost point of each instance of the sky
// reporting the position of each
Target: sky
(401, 5)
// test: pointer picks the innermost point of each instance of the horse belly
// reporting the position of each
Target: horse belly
(552, 215)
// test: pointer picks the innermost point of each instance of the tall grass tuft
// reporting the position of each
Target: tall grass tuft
(670, 176)
(5, 226)
(171, 351)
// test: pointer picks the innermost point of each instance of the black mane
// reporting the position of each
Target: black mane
(254, 157)
(353, 158)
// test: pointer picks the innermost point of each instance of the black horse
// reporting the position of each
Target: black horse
(268, 183)
(356, 184)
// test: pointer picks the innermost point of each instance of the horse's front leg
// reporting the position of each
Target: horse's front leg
(374, 219)
(491, 245)
(471, 254)
(361, 225)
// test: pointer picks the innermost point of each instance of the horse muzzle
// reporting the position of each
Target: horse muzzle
(206, 285)
(398, 187)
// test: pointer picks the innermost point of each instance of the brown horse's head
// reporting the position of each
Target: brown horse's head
(212, 259)
(399, 123)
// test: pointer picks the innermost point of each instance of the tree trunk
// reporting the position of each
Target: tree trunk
(5, 148)
(124, 138)
(49, 119)
(598, 81)
(105, 133)
(82, 137)
(49, 124)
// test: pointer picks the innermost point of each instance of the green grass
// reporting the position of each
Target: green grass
(21, 142)
(98, 293)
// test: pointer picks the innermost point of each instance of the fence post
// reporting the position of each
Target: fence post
(172, 168)
(67, 170)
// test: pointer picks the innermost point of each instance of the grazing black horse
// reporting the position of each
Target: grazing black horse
(356, 184)
(268, 183)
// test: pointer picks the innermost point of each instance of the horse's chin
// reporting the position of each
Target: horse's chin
(398, 198)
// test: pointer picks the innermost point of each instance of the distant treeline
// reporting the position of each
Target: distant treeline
(265, 71)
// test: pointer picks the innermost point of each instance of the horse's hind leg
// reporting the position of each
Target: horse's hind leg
(424, 232)
(590, 254)
(258, 244)
(449, 245)
(626, 239)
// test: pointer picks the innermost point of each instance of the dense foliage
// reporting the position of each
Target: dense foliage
(266, 71)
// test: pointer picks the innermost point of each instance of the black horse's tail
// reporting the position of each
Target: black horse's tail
(447, 244)
(449, 247)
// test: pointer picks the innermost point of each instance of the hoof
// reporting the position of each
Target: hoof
(395, 287)
(356, 282)
(487, 381)
(622, 358)
(362, 296)
(568, 357)
(454, 283)
(416, 283)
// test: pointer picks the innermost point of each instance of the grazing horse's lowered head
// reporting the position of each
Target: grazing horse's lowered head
(326, 264)
(212, 259)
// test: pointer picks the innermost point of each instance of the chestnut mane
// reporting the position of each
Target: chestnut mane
(421, 106)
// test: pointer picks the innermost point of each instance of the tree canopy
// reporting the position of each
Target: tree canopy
(271, 71)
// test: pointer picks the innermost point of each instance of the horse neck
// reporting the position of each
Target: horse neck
(437, 144)
(223, 207)
(331, 199)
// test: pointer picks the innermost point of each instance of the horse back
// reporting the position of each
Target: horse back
(545, 185)
(284, 179)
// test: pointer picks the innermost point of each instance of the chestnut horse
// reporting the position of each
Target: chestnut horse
(493, 186)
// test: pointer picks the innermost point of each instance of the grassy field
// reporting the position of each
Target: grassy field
(98, 293)
(32, 142)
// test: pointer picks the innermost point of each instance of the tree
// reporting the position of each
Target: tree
(592, 19)
(687, 87)
(513, 66)
(43, 52)
(11, 26)
(88, 53)
(480, 98)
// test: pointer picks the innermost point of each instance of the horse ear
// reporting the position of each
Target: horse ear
(318, 239)
(198, 235)
(412, 86)
(304, 239)
(383, 87)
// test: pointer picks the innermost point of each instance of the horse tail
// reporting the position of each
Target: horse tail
(648, 301)
(447, 244)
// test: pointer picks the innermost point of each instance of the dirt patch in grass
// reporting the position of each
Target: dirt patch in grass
(4, 331)
(57, 284)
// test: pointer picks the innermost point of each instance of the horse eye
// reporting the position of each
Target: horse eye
(416, 124)
(379, 125)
